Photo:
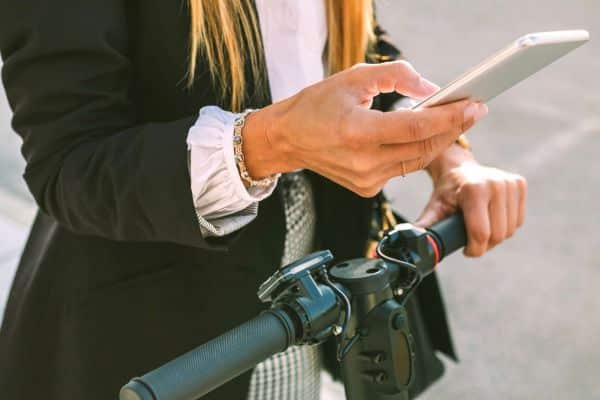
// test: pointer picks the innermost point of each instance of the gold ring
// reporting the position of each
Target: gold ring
(403, 169)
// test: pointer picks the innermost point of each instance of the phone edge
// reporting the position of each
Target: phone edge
(523, 42)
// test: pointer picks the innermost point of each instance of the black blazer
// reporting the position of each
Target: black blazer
(116, 278)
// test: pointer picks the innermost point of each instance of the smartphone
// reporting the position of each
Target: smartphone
(521, 59)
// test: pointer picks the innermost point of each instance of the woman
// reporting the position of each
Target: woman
(156, 226)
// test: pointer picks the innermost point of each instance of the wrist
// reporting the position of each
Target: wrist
(263, 155)
(454, 156)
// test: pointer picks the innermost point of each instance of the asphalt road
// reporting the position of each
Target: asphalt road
(526, 316)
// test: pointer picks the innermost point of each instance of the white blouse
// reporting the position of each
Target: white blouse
(294, 35)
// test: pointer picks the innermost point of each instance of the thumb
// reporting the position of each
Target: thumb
(394, 76)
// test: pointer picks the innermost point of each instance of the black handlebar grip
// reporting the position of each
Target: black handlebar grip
(450, 234)
(209, 366)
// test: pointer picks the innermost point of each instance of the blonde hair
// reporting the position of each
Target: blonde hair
(226, 33)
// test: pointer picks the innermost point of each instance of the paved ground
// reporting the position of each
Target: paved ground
(525, 317)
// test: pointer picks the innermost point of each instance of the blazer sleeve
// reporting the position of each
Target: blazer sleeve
(90, 163)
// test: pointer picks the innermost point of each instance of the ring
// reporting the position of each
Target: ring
(403, 169)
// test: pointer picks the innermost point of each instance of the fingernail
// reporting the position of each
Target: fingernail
(475, 111)
(482, 111)
(470, 111)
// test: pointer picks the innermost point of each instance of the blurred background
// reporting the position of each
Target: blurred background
(525, 317)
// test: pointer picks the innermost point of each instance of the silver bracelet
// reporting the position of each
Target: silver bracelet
(238, 153)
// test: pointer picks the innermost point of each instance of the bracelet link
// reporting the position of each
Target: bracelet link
(238, 142)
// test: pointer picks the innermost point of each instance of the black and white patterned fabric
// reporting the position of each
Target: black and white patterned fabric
(294, 374)
(299, 208)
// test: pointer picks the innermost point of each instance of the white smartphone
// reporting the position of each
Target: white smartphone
(522, 58)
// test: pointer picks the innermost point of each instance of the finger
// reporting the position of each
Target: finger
(474, 201)
(395, 76)
(428, 148)
(522, 184)
(498, 213)
(428, 216)
(434, 212)
(402, 159)
(406, 126)
(404, 167)
(512, 207)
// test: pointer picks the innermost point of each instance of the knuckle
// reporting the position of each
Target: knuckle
(497, 236)
(427, 147)
(362, 183)
(372, 192)
(473, 252)
(360, 66)
(402, 66)
(363, 165)
(351, 138)
(511, 189)
(521, 182)
(360, 192)
(456, 121)
(406, 69)
(368, 192)
(473, 189)
(416, 128)
(497, 187)
(495, 239)
(481, 236)
(423, 148)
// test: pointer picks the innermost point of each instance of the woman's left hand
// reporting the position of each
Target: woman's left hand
(492, 201)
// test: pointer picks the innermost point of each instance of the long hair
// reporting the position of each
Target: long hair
(226, 34)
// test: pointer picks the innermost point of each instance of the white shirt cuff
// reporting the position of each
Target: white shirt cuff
(223, 204)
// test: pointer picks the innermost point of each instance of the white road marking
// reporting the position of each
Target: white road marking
(531, 163)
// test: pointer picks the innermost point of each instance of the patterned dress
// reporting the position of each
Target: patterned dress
(295, 373)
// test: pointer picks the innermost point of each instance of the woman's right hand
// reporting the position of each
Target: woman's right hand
(329, 128)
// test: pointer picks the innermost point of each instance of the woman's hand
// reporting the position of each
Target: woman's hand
(492, 201)
(329, 128)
